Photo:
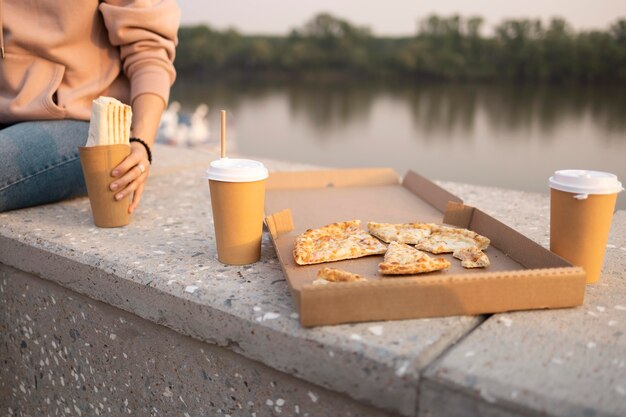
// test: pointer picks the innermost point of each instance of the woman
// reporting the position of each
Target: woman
(58, 56)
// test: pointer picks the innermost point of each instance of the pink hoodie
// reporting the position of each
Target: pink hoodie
(58, 55)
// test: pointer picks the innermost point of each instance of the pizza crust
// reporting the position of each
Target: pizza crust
(328, 275)
(410, 233)
(445, 239)
(403, 259)
(472, 257)
(335, 242)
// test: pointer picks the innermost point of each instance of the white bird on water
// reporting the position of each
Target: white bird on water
(169, 122)
(182, 133)
(199, 127)
(180, 136)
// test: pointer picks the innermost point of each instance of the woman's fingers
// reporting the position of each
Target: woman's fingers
(136, 197)
(137, 154)
(131, 175)
(130, 161)
(135, 173)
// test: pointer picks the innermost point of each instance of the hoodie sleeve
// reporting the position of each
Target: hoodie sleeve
(146, 33)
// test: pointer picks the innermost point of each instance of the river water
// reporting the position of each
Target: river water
(511, 136)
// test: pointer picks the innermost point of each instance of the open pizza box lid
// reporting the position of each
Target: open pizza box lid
(523, 275)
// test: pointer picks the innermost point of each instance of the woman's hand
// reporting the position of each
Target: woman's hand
(131, 175)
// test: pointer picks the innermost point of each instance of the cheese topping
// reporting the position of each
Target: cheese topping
(404, 259)
(444, 239)
(472, 257)
(410, 233)
(334, 242)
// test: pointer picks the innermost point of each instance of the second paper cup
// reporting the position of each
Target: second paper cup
(581, 209)
(237, 188)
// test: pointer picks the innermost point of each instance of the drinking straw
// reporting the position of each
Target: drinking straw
(223, 133)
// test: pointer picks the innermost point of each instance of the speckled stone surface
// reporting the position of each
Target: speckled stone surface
(163, 268)
(68, 355)
(569, 362)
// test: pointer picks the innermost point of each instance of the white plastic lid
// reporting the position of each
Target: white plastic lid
(236, 170)
(580, 181)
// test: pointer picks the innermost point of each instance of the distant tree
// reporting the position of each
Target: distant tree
(617, 32)
(327, 42)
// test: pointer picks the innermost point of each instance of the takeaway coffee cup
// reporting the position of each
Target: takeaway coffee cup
(581, 209)
(97, 163)
(237, 189)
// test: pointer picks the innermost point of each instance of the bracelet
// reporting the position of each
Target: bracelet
(145, 145)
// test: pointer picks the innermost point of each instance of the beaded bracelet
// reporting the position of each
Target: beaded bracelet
(145, 145)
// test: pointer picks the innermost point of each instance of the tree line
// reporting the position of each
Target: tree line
(443, 48)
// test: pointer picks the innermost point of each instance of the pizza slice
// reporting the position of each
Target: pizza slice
(444, 239)
(404, 259)
(472, 257)
(335, 242)
(410, 233)
(328, 275)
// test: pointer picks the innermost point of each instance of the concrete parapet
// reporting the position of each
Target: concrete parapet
(184, 312)
(67, 354)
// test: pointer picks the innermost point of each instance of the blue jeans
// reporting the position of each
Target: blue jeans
(39, 162)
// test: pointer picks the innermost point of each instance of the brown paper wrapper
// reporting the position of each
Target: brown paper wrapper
(238, 210)
(97, 163)
(579, 229)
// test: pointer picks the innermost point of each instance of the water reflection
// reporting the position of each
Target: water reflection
(441, 109)
(450, 108)
(330, 107)
(512, 136)
(438, 108)
(546, 107)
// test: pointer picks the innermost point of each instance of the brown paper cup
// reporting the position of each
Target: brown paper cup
(238, 209)
(97, 163)
(579, 229)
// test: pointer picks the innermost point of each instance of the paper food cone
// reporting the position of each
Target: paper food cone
(238, 211)
(97, 163)
(579, 229)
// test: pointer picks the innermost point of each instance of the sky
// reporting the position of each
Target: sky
(391, 17)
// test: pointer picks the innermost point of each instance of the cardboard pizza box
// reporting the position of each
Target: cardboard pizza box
(523, 275)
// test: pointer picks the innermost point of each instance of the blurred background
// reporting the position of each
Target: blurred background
(491, 93)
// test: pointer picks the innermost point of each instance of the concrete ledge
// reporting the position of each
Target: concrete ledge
(162, 268)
